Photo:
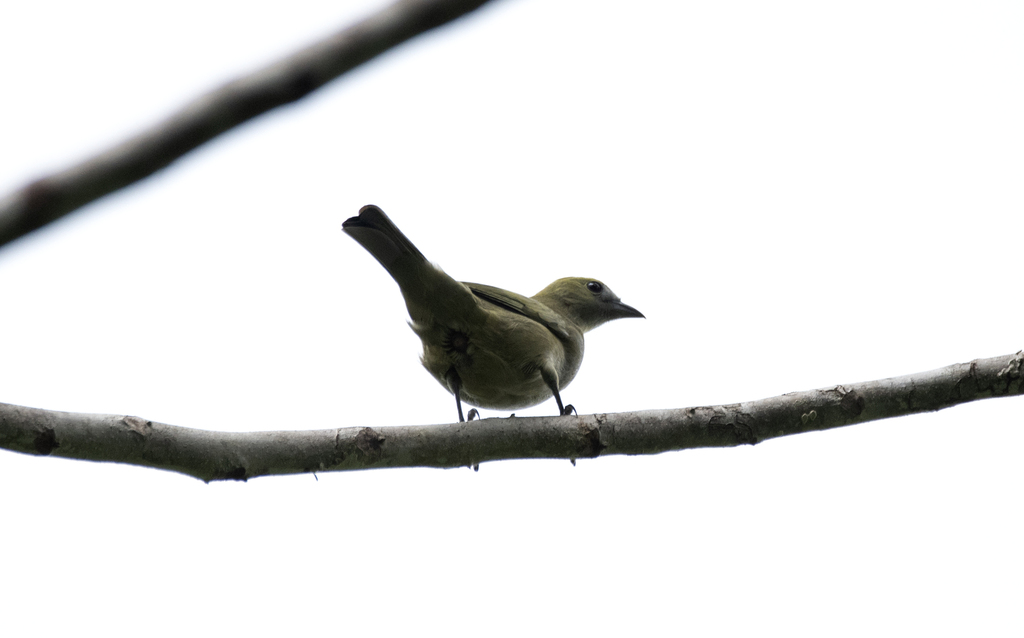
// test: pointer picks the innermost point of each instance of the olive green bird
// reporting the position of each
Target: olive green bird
(490, 347)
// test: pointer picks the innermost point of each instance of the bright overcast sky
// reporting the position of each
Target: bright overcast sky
(796, 194)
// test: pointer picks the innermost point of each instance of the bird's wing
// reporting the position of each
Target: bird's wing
(525, 306)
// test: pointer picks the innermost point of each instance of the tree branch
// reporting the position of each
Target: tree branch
(239, 456)
(50, 198)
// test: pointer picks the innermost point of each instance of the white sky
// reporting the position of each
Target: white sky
(796, 194)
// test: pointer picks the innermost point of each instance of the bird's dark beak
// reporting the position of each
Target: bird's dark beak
(623, 311)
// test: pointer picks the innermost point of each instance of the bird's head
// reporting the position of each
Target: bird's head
(586, 302)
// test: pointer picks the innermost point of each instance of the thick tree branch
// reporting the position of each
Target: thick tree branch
(226, 455)
(50, 198)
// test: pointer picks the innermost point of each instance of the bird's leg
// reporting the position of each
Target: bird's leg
(455, 385)
(458, 404)
(550, 377)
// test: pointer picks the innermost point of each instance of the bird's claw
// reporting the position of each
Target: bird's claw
(473, 414)
(569, 410)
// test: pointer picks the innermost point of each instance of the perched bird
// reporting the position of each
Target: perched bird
(490, 347)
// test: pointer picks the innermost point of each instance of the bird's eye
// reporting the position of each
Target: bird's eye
(595, 287)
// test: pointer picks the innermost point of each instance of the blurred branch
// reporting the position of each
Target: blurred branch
(50, 198)
(239, 456)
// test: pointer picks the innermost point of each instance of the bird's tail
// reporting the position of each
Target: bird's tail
(382, 239)
(428, 291)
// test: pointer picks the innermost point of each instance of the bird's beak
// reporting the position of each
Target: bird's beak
(623, 311)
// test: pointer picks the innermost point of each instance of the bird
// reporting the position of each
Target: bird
(489, 347)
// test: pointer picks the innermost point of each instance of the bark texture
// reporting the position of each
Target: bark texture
(239, 456)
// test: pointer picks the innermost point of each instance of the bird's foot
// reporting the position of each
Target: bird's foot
(473, 414)
(569, 410)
